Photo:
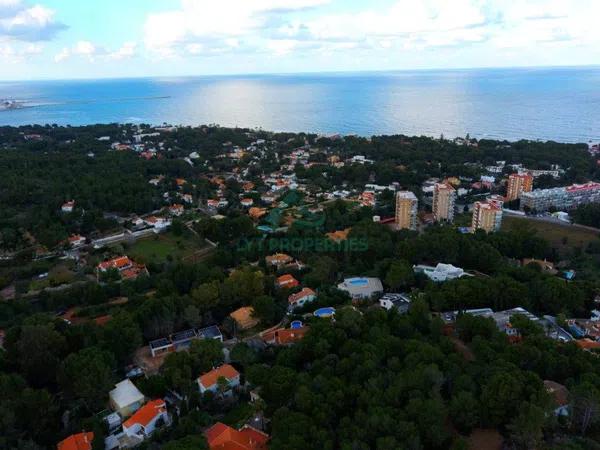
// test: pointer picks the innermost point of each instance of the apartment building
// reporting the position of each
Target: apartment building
(487, 216)
(562, 198)
(517, 184)
(406, 210)
(444, 197)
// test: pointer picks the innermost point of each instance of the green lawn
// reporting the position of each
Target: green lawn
(159, 248)
(563, 237)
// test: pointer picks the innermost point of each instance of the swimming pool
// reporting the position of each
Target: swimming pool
(324, 312)
(358, 281)
(296, 324)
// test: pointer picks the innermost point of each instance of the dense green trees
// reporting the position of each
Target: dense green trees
(88, 375)
(383, 379)
(588, 215)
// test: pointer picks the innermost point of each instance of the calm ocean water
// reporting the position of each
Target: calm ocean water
(562, 104)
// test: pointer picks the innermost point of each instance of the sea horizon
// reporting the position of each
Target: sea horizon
(301, 73)
(557, 103)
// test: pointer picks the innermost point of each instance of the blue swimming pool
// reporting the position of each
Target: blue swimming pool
(296, 324)
(324, 312)
(264, 229)
(358, 281)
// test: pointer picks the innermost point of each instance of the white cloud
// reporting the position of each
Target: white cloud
(16, 52)
(281, 47)
(85, 48)
(219, 25)
(203, 27)
(127, 50)
(21, 21)
(65, 53)
(92, 52)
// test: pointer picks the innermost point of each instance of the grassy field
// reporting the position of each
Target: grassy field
(165, 246)
(561, 236)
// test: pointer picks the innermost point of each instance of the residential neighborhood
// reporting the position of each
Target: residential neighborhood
(253, 282)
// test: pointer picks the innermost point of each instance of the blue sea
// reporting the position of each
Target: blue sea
(561, 104)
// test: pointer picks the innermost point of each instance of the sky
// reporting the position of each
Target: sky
(60, 39)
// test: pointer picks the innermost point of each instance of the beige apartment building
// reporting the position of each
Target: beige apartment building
(487, 216)
(444, 198)
(406, 210)
(518, 183)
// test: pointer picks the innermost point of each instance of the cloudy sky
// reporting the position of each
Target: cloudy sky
(122, 38)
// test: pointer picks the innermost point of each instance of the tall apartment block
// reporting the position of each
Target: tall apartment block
(406, 210)
(517, 184)
(561, 198)
(444, 197)
(487, 215)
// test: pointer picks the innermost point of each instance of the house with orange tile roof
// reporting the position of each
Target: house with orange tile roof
(146, 419)
(212, 203)
(210, 380)
(244, 318)
(340, 235)
(119, 263)
(587, 344)
(79, 441)
(128, 269)
(176, 209)
(278, 259)
(224, 437)
(287, 281)
(76, 240)
(158, 223)
(219, 181)
(284, 336)
(299, 299)
(256, 213)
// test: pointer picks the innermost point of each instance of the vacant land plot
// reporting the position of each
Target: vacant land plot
(562, 236)
(157, 249)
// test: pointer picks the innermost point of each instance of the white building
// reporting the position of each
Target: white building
(125, 398)
(441, 272)
(401, 302)
(146, 419)
(361, 287)
(68, 207)
(299, 299)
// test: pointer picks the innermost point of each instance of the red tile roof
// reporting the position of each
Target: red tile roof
(117, 263)
(79, 441)
(146, 413)
(587, 344)
(223, 437)
(305, 292)
(278, 258)
(209, 379)
(287, 280)
(102, 320)
(290, 335)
